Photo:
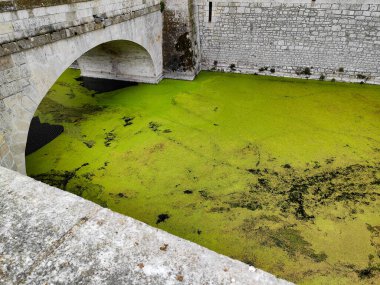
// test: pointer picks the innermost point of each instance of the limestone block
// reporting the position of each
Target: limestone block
(6, 62)
(6, 28)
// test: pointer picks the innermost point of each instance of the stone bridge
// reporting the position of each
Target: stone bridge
(109, 39)
(130, 40)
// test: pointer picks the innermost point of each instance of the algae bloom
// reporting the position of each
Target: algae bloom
(280, 173)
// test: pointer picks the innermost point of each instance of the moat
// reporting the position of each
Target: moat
(283, 174)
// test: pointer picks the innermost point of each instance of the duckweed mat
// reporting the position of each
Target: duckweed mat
(283, 174)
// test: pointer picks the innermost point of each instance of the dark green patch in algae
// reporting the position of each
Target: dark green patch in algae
(162, 218)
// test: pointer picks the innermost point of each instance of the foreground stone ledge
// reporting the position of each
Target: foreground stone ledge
(48, 236)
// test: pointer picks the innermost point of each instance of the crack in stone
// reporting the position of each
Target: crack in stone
(22, 277)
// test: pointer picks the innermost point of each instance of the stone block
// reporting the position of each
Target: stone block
(6, 63)
(25, 44)
(6, 28)
(40, 40)
(11, 47)
(56, 36)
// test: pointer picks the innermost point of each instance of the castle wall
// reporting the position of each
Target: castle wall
(340, 39)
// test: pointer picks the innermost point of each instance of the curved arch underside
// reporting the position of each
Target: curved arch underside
(119, 60)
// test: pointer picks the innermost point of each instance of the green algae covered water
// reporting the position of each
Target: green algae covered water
(279, 173)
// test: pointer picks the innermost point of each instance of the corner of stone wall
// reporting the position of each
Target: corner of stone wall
(181, 49)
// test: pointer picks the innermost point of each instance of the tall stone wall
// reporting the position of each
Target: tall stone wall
(181, 43)
(340, 39)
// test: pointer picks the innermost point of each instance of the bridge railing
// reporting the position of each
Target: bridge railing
(12, 5)
(21, 21)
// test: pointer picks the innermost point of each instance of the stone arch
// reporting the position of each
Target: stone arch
(45, 64)
(119, 60)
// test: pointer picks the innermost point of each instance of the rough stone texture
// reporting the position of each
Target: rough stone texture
(181, 43)
(48, 236)
(289, 35)
(33, 66)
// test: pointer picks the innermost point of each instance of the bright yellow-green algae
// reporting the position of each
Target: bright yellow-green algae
(280, 173)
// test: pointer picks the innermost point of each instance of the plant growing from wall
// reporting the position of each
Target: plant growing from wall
(232, 67)
(307, 71)
(215, 65)
(184, 45)
(362, 76)
(341, 69)
(162, 6)
(262, 69)
(272, 70)
(303, 71)
(322, 77)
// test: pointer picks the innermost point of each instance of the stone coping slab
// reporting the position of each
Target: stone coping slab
(48, 236)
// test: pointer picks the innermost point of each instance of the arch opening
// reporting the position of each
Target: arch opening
(106, 67)
(119, 60)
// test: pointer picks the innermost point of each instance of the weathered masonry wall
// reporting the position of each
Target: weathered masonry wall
(340, 39)
(181, 48)
(37, 45)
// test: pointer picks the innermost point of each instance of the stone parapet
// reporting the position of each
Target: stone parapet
(21, 34)
(49, 236)
(26, 23)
